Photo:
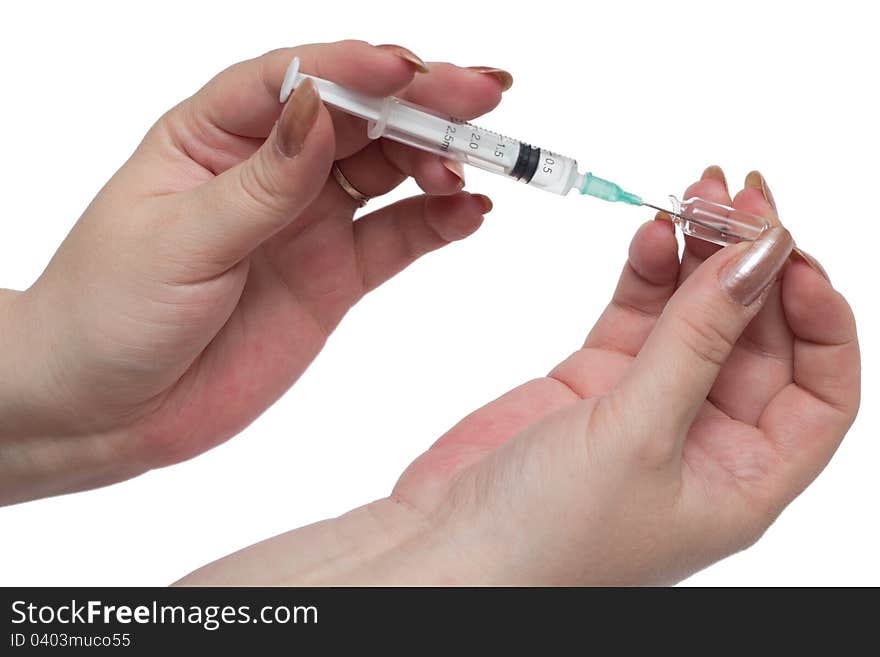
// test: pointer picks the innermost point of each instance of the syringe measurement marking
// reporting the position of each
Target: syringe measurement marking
(476, 135)
(448, 138)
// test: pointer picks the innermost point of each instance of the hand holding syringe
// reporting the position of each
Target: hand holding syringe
(421, 128)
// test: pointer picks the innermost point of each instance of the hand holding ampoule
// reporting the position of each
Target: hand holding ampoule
(706, 397)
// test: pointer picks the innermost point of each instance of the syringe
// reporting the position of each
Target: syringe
(453, 139)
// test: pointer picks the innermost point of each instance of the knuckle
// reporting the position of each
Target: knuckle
(275, 52)
(259, 187)
(420, 235)
(267, 70)
(352, 42)
(702, 335)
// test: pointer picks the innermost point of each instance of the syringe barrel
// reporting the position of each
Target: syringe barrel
(451, 138)
(464, 142)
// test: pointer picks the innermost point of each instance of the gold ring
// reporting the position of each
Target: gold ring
(357, 196)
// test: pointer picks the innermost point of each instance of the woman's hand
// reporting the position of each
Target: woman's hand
(207, 274)
(707, 396)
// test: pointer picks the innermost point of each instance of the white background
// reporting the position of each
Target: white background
(645, 93)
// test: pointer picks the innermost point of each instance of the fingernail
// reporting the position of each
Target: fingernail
(753, 271)
(456, 168)
(297, 119)
(663, 216)
(715, 173)
(407, 55)
(757, 181)
(505, 78)
(485, 201)
(800, 254)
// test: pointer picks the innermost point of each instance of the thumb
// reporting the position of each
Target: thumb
(679, 362)
(237, 210)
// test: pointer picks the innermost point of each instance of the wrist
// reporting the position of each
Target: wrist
(384, 543)
(425, 550)
(41, 451)
(19, 405)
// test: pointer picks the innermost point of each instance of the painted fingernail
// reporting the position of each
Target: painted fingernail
(485, 201)
(715, 172)
(800, 254)
(407, 55)
(746, 277)
(757, 181)
(297, 118)
(456, 168)
(503, 77)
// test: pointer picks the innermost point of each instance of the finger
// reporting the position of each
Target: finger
(712, 186)
(676, 368)
(465, 93)
(226, 218)
(647, 282)
(433, 174)
(382, 165)
(822, 323)
(807, 419)
(390, 239)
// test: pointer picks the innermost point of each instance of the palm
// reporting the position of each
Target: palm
(285, 311)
